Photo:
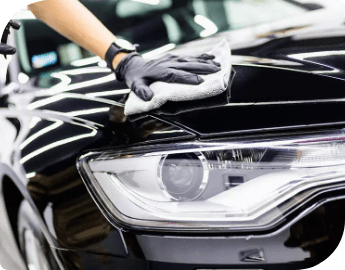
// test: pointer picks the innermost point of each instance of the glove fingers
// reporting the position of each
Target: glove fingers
(199, 60)
(209, 62)
(143, 91)
(197, 68)
(183, 77)
(206, 56)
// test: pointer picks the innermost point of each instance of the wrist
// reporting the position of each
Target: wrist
(117, 51)
(117, 59)
(125, 63)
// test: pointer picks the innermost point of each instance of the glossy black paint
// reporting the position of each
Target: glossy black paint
(198, 252)
(271, 92)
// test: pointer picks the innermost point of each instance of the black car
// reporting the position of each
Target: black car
(251, 179)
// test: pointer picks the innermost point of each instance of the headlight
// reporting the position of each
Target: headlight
(212, 186)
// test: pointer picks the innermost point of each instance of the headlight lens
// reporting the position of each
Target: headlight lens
(183, 177)
(214, 186)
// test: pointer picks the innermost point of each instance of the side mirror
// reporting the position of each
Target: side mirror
(4, 48)
(7, 50)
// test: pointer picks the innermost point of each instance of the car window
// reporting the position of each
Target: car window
(134, 8)
(156, 22)
(252, 12)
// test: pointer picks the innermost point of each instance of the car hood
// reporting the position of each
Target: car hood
(287, 77)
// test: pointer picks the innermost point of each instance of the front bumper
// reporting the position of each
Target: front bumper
(91, 261)
(301, 245)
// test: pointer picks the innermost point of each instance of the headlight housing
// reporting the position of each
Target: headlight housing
(214, 186)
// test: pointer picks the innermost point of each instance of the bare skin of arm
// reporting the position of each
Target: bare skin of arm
(74, 21)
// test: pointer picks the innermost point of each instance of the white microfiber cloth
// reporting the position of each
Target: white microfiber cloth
(214, 84)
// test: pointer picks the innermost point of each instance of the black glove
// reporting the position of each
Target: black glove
(7, 50)
(139, 73)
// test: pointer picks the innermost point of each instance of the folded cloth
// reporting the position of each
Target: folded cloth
(214, 84)
(170, 108)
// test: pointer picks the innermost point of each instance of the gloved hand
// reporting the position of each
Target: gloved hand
(139, 73)
(6, 49)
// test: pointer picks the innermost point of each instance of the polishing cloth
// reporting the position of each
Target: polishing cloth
(214, 84)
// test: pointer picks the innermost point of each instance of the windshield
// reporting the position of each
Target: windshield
(153, 23)
(150, 23)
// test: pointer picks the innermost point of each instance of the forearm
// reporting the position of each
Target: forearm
(74, 21)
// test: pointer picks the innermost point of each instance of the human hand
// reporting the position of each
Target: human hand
(139, 73)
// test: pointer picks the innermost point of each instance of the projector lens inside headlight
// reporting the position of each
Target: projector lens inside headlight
(183, 176)
(212, 186)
